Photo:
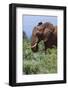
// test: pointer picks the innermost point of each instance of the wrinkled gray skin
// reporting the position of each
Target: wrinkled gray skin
(46, 32)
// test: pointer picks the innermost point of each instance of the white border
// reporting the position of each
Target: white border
(20, 78)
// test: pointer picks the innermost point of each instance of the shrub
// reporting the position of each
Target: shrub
(40, 62)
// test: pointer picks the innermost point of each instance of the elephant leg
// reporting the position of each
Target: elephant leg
(47, 45)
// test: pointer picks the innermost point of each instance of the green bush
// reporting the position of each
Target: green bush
(40, 62)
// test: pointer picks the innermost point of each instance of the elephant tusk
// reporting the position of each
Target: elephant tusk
(34, 45)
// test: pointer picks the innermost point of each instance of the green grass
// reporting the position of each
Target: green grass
(40, 62)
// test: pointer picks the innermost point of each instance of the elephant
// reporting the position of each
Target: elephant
(46, 32)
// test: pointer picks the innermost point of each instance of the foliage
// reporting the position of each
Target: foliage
(40, 62)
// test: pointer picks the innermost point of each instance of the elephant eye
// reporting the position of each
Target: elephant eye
(40, 30)
(37, 34)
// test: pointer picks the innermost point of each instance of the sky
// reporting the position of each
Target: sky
(30, 21)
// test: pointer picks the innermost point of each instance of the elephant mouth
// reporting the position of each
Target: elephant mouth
(34, 47)
(45, 40)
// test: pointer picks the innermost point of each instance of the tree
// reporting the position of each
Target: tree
(24, 35)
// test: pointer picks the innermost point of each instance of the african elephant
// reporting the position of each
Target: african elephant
(46, 32)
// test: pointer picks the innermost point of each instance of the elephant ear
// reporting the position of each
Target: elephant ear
(49, 26)
(52, 28)
(55, 31)
(46, 35)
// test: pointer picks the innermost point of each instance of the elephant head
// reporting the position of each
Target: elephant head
(43, 31)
